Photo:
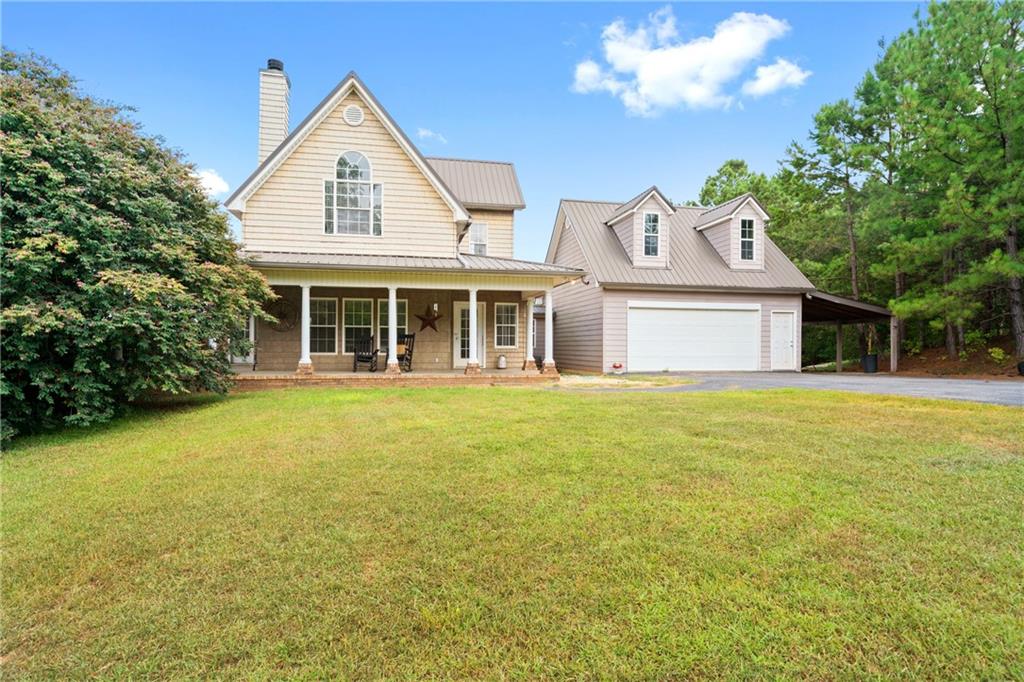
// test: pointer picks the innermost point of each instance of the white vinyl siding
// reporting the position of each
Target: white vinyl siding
(357, 321)
(323, 326)
(506, 325)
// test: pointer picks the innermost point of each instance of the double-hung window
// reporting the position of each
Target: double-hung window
(652, 233)
(323, 325)
(353, 204)
(357, 321)
(478, 239)
(506, 325)
(402, 308)
(746, 239)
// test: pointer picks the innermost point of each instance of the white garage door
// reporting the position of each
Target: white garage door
(669, 337)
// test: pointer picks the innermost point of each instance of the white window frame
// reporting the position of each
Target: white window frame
(515, 324)
(473, 243)
(657, 253)
(334, 200)
(381, 341)
(341, 321)
(337, 312)
(753, 233)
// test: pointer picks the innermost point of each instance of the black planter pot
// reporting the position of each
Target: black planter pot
(1020, 368)
(870, 363)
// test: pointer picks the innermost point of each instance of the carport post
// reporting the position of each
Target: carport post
(894, 343)
(839, 346)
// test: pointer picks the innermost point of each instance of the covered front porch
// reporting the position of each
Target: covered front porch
(329, 324)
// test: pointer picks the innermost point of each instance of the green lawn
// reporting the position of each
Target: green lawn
(519, 532)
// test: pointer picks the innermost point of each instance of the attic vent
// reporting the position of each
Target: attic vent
(353, 115)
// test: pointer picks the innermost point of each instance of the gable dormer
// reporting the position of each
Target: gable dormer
(642, 227)
(736, 230)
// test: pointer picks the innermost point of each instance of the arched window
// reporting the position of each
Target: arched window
(352, 203)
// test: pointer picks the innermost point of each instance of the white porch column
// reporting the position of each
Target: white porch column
(549, 335)
(392, 367)
(529, 362)
(305, 363)
(473, 363)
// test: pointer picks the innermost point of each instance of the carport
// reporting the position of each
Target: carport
(822, 308)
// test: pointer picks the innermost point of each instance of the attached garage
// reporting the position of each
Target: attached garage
(680, 336)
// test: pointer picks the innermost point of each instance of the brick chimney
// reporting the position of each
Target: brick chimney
(274, 91)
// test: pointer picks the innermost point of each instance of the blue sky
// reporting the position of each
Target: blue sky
(585, 107)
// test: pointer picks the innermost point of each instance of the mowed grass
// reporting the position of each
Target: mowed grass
(520, 533)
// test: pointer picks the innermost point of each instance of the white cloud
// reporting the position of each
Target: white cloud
(651, 69)
(213, 184)
(428, 134)
(768, 79)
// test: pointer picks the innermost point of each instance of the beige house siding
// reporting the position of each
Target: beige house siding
(279, 350)
(577, 307)
(615, 315)
(273, 124)
(286, 212)
(499, 233)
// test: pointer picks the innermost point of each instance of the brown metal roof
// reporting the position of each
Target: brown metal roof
(718, 213)
(694, 262)
(635, 201)
(821, 307)
(465, 263)
(480, 184)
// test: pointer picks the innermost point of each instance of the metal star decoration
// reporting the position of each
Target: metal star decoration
(429, 318)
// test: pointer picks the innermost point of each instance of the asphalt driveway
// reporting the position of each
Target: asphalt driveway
(997, 392)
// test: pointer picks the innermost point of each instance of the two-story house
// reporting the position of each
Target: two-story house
(365, 240)
(686, 288)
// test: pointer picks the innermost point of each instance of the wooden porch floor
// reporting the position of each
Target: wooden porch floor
(247, 379)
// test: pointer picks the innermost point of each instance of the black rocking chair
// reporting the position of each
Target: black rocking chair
(405, 344)
(364, 353)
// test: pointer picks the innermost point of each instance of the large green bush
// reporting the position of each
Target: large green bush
(120, 277)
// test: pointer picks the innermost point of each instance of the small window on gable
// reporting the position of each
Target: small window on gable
(352, 202)
(746, 239)
(478, 239)
(652, 233)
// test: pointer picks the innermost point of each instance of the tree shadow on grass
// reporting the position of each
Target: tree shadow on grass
(135, 414)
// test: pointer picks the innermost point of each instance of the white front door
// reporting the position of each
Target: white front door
(460, 333)
(783, 339)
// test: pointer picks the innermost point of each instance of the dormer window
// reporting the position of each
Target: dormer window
(352, 203)
(652, 233)
(746, 239)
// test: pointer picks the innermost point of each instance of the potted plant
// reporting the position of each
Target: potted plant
(870, 360)
(616, 368)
